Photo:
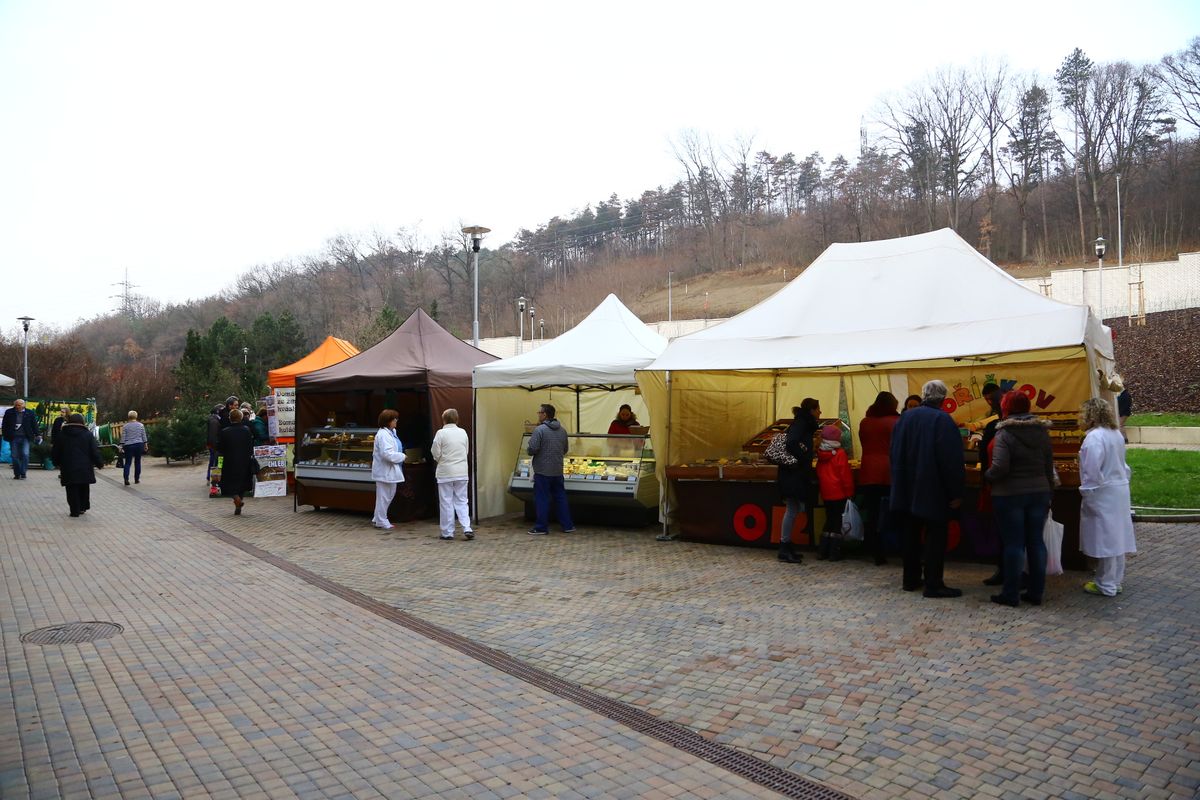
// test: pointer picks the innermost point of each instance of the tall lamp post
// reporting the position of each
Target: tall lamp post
(542, 329)
(531, 313)
(521, 322)
(476, 233)
(1100, 245)
(669, 274)
(25, 326)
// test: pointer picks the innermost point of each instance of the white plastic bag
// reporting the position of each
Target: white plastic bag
(1052, 533)
(852, 524)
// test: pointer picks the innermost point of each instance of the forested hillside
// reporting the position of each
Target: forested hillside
(1026, 167)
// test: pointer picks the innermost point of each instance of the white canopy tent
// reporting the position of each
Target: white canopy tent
(866, 317)
(586, 373)
(7, 381)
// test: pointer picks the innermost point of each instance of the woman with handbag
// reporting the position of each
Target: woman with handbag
(235, 447)
(1022, 481)
(794, 480)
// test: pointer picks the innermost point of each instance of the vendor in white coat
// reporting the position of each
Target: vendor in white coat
(449, 450)
(1105, 521)
(387, 466)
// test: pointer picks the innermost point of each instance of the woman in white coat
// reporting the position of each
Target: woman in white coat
(1105, 522)
(387, 466)
(449, 450)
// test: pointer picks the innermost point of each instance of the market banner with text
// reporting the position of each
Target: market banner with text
(272, 472)
(1060, 386)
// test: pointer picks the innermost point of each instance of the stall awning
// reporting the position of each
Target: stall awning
(331, 351)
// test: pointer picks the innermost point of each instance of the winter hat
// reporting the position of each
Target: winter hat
(831, 433)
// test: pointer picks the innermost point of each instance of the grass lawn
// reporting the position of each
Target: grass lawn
(1165, 478)
(1163, 419)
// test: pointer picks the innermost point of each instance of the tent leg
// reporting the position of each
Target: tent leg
(665, 503)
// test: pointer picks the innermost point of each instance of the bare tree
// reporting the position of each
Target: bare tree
(1180, 76)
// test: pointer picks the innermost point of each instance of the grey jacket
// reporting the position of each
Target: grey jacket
(548, 446)
(1022, 458)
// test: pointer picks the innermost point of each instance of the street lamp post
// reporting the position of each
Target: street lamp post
(542, 329)
(476, 233)
(245, 356)
(531, 312)
(670, 272)
(521, 323)
(25, 326)
(1100, 244)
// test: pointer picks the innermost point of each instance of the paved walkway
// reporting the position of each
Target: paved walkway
(236, 678)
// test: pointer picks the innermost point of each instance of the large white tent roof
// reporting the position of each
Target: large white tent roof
(7, 381)
(915, 298)
(605, 348)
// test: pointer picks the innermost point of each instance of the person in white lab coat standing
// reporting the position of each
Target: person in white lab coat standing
(449, 449)
(1105, 519)
(387, 466)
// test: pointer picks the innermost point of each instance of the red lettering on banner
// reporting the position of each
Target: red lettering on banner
(749, 522)
(1044, 399)
(949, 405)
(1028, 391)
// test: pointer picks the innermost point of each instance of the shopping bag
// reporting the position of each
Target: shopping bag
(852, 524)
(1052, 532)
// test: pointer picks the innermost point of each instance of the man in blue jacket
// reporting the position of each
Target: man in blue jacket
(548, 446)
(20, 427)
(928, 481)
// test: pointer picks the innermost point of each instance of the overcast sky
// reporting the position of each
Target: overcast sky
(188, 142)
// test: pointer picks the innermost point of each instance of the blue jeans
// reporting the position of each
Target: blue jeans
(546, 487)
(133, 455)
(20, 456)
(1021, 518)
(792, 509)
(212, 462)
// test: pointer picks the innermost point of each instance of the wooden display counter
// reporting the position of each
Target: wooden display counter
(739, 504)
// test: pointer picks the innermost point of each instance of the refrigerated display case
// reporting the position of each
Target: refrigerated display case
(609, 479)
(333, 470)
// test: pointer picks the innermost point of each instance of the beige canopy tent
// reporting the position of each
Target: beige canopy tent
(586, 373)
(866, 317)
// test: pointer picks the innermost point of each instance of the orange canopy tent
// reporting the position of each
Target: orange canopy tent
(331, 351)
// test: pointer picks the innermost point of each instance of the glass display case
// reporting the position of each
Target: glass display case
(335, 454)
(600, 471)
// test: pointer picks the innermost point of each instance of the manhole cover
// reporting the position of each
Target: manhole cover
(72, 633)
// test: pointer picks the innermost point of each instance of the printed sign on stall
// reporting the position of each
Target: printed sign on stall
(272, 474)
(283, 422)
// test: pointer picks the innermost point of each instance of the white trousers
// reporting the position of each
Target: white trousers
(1110, 574)
(452, 501)
(384, 492)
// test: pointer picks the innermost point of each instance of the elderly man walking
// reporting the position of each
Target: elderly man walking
(20, 430)
(927, 488)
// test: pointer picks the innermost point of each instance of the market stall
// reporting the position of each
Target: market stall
(419, 370)
(864, 317)
(586, 373)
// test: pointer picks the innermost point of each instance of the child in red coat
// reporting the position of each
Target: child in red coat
(837, 486)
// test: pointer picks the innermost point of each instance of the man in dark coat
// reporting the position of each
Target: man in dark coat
(214, 428)
(20, 429)
(76, 452)
(235, 447)
(928, 481)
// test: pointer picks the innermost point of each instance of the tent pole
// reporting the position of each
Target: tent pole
(475, 458)
(664, 489)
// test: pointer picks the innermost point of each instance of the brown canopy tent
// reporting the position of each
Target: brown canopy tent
(420, 370)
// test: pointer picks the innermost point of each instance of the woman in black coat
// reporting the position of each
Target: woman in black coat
(234, 444)
(77, 454)
(795, 483)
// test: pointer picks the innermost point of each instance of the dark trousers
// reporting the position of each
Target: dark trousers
(212, 462)
(932, 553)
(78, 497)
(873, 498)
(1021, 518)
(545, 489)
(133, 458)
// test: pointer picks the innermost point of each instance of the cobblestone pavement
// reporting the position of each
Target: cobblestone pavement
(826, 670)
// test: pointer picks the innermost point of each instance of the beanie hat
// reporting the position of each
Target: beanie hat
(831, 433)
(231, 399)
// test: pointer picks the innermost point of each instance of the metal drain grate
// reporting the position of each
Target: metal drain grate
(72, 633)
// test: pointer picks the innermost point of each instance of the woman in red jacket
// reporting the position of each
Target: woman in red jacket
(837, 486)
(875, 474)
